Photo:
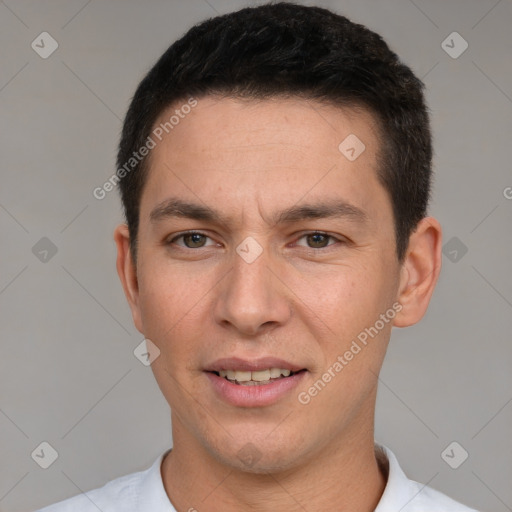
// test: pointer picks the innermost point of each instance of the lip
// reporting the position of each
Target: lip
(262, 363)
(254, 396)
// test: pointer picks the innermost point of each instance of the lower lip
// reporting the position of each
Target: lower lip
(254, 396)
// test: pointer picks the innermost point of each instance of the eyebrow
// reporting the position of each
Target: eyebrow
(175, 207)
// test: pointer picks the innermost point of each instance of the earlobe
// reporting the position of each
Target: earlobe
(420, 272)
(127, 272)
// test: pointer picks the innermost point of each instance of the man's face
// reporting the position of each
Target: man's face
(258, 285)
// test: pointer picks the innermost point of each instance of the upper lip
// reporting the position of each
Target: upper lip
(254, 365)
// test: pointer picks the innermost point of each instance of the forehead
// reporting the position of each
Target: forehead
(236, 151)
(224, 124)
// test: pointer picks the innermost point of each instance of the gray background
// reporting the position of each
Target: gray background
(68, 375)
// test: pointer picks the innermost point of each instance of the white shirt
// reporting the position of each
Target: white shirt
(144, 492)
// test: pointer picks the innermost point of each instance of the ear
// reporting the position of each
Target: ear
(127, 272)
(420, 271)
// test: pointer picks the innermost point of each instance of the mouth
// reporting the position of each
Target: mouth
(256, 378)
(254, 383)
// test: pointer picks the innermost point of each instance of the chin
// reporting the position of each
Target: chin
(260, 456)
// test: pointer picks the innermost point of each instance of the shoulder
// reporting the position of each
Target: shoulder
(407, 495)
(126, 493)
(426, 498)
(116, 491)
(116, 495)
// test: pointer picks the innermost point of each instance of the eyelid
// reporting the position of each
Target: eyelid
(175, 237)
(338, 239)
(302, 235)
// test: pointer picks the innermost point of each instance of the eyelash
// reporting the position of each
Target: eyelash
(170, 242)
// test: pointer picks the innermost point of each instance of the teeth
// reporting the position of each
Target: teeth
(257, 376)
(260, 376)
(275, 373)
(242, 376)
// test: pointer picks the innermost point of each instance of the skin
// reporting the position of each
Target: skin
(304, 299)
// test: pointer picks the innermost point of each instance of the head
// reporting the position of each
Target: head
(287, 50)
(297, 146)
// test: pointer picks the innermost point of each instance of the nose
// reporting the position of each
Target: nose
(252, 298)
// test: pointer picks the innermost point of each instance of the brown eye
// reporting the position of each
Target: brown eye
(191, 240)
(194, 240)
(318, 240)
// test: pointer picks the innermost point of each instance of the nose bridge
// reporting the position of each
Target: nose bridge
(250, 268)
(251, 296)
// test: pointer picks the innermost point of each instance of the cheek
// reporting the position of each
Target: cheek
(170, 307)
(352, 350)
(347, 311)
(170, 301)
(344, 297)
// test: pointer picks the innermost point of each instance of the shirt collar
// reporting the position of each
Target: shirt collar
(399, 490)
(152, 491)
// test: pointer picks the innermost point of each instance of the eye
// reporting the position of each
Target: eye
(197, 240)
(191, 239)
(318, 240)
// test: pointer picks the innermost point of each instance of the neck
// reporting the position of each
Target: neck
(343, 476)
